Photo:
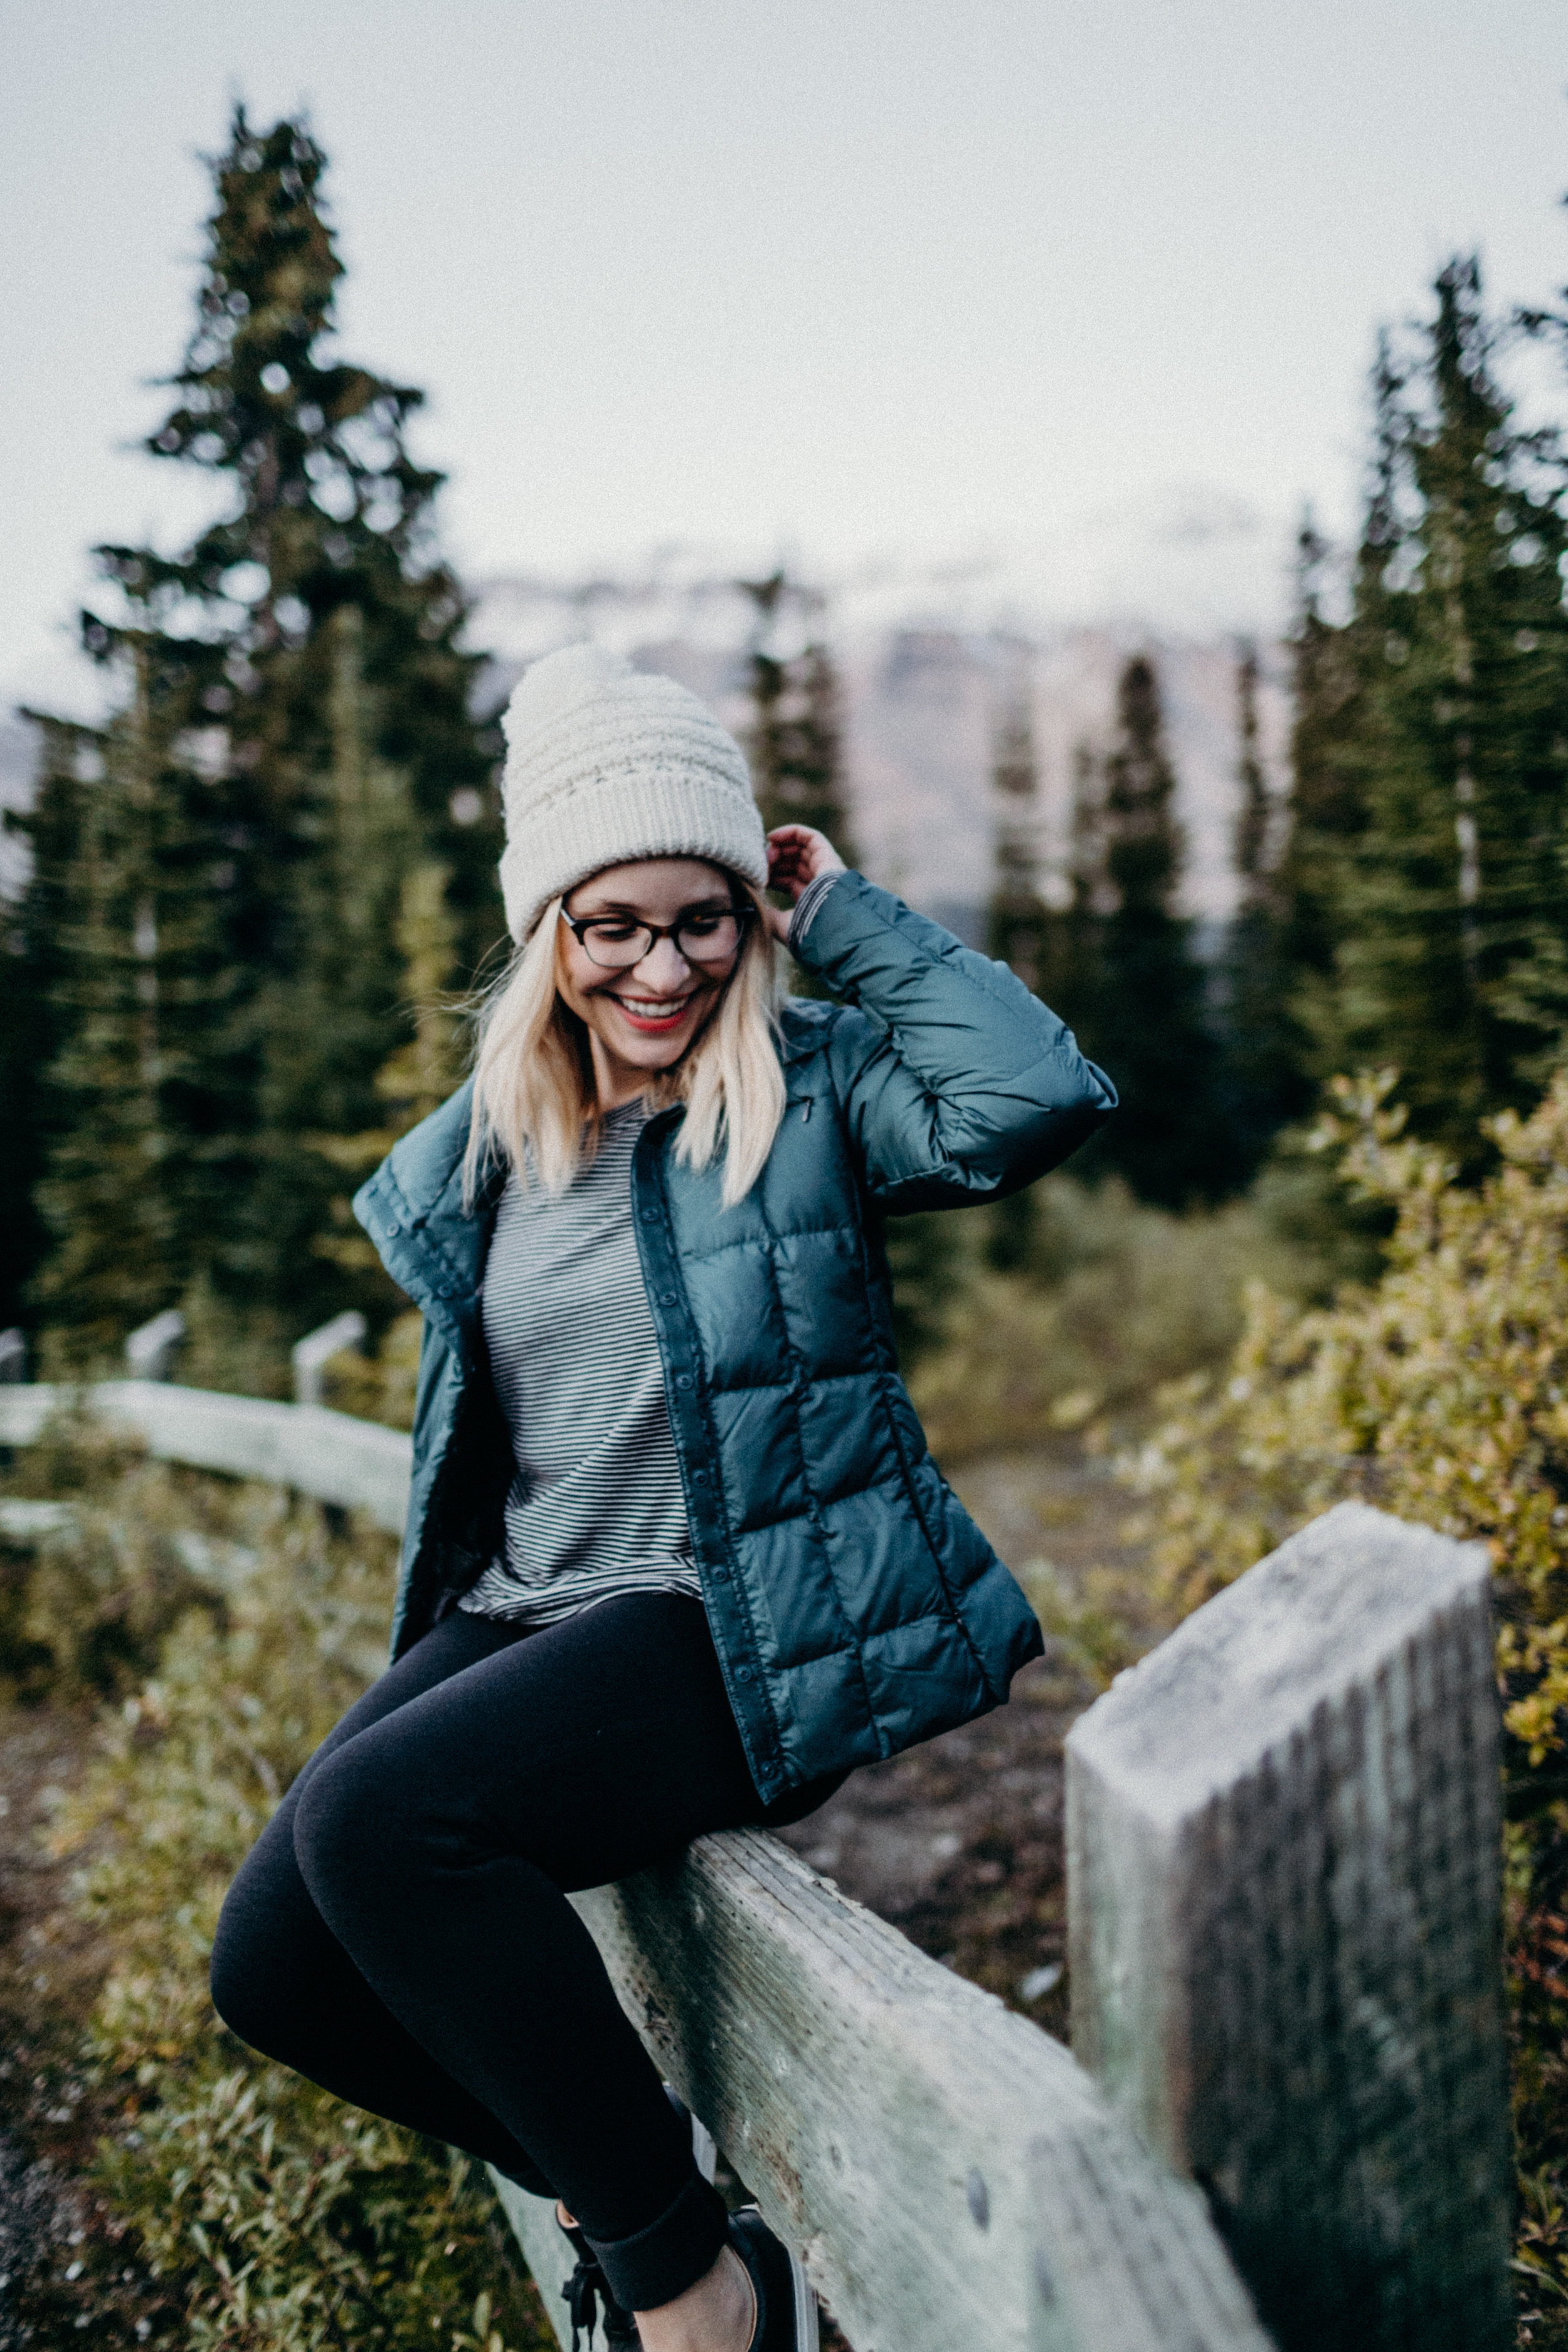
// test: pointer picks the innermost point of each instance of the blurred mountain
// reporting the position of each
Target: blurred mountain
(925, 689)
(928, 654)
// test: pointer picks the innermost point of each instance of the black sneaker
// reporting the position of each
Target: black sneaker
(786, 2308)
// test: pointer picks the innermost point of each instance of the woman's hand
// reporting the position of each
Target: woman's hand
(797, 856)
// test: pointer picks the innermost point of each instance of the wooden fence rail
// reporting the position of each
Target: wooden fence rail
(356, 1464)
(1284, 1914)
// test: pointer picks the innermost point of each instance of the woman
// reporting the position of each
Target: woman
(676, 1556)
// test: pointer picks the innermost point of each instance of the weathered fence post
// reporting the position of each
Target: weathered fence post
(1284, 1902)
(151, 1349)
(313, 1354)
(13, 1357)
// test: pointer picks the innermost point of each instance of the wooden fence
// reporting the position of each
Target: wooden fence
(1284, 1906)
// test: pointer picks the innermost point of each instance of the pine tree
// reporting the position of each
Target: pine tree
(1017, 920)
(23, 1028)
(33, 1024)
(1453, 899)
(331, 1023)
(794, 740)
(1251, 844)
(1143, 1015)
(142, 1155)
(1325, 812)
(1073, 932)
(795, 743)
(327, 509)
(795, 737)
(296, 733)
(320, 589)
(1262, 1050)
(413, 1081)
(420, 1076)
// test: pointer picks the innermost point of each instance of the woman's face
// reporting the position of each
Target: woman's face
(642, 1018)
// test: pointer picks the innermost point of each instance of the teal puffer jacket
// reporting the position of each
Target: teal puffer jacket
(855, 1606)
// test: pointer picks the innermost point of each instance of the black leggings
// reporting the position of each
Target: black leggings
(400, 1932)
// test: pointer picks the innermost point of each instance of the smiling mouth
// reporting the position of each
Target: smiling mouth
(655, 1014)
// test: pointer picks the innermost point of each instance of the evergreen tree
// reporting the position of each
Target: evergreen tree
(795, 738)
(420, 1076)
(1251, 843)
(33, 998)
(329, 1026)
(795, 743)
(298, 734)
(1143, 1015)
(319, 590)
(1452, 905)
(1326, 805)
(413, 1081)
(1073, 932)
(130, 864)
(1261, 1048)
(1018, 923)
(22, 1020)
(327, 508)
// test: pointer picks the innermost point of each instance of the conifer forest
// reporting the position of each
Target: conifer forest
(1320, 1251)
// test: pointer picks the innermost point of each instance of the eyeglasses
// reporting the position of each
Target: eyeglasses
(702, 936)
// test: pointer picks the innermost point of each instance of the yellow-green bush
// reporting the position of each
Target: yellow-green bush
(1112, 1298)
(379, 1387)
(84, 1603)
(286, 2221)
(1441, 1394)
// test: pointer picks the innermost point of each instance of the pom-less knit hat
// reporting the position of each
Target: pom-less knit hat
(606, 763)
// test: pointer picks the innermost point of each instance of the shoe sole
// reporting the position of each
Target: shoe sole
(807, 2334)
(807, 2319)
(807, 2331)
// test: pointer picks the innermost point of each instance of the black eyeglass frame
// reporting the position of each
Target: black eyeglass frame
(654, 933)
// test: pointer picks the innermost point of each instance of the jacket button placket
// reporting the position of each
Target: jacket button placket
(748, 1696)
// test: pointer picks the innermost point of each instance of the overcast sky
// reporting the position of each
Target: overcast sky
(1083, 291)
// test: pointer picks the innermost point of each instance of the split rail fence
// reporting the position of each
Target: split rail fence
(1284, 2117)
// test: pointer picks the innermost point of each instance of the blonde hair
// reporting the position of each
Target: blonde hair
(534, 1097)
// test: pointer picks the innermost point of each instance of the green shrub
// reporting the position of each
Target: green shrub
(84, 1603)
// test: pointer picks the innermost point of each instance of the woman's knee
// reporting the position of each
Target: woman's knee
(361, 1825)
(234, 1985)
(253, 1974)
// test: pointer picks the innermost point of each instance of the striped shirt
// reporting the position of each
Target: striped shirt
(595, 1508)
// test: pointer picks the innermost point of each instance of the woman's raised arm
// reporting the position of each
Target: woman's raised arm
(958, 1084)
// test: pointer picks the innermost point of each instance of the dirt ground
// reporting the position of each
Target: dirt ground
(67, 2272)
(958, 1844)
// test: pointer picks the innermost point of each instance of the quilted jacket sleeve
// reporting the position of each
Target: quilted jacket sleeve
(957, 1084)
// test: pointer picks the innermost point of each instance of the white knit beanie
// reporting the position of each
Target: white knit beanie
(606, 763)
